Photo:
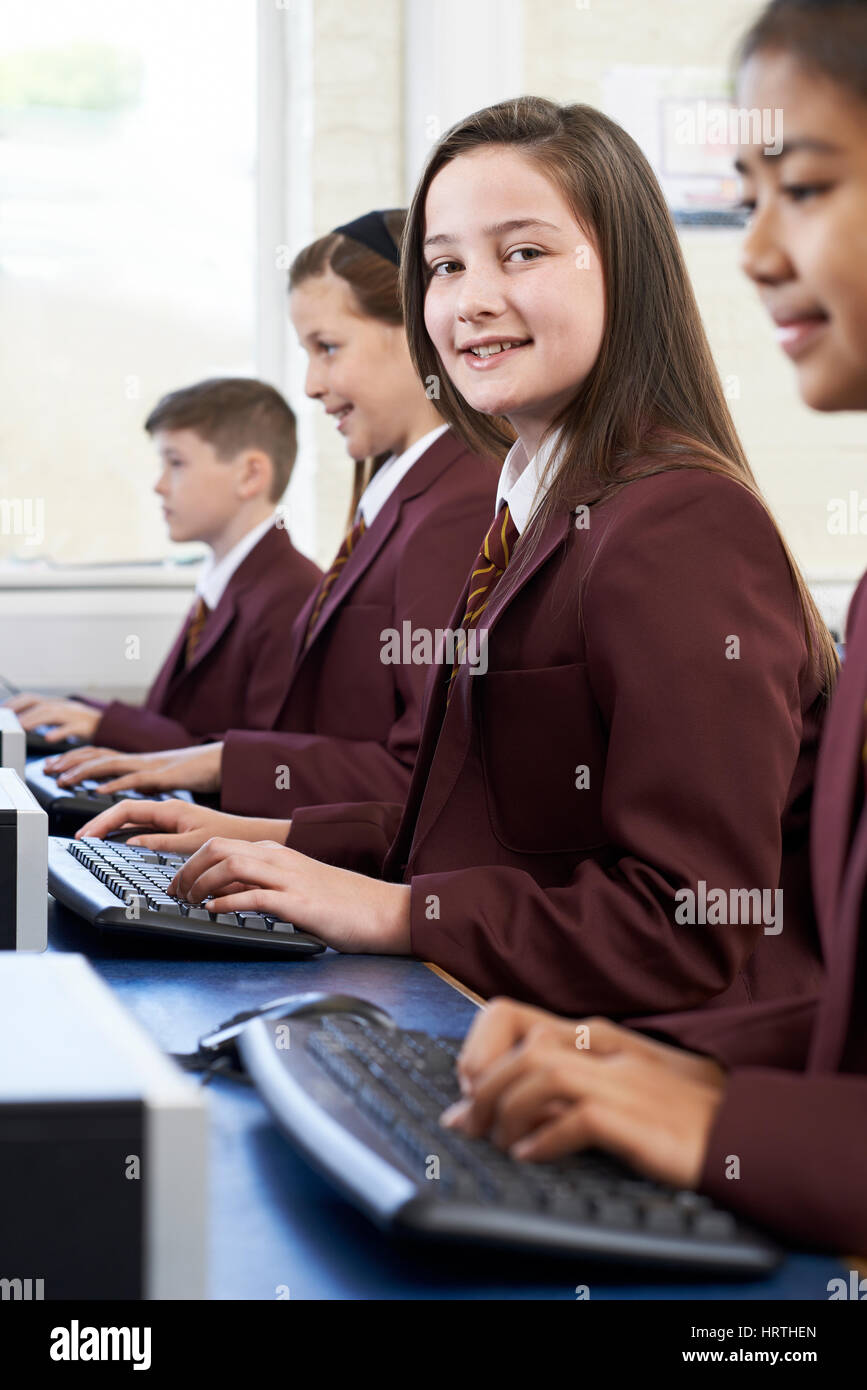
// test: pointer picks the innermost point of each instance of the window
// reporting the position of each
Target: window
(127, 265)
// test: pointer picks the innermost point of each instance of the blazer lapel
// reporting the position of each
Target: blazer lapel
(267, 552)
(214, 628)
(423, 473)
(518, 574)
(841, 954)
(159, 690)
(448, 730)
(840, 767)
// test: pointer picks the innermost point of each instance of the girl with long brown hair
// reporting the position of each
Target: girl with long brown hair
(611, 815)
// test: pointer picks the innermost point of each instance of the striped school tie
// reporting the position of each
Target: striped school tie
(350, 541)
(201, 614)
(489, 568)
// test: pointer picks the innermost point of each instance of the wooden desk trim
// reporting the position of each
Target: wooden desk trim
(456, 984)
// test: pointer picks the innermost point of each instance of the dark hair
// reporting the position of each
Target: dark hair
(375, 285)
(653, 399)
(829, 36)
(231, 414)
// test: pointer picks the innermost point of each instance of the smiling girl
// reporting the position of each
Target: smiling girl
(800, 1140)
(656, 670)
(346, 722)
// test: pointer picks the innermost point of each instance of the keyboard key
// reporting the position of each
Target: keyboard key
(715, 1225)
(665, 1217)
(615, 1211)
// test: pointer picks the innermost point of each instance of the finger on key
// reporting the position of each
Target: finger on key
(61, 762)
(162, 813)
(98, 767)
(219, 861)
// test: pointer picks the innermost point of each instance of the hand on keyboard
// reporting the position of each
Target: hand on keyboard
(346, 910)
(197, 768)
(504, 1023)
(183, 827)
(551, 1087)
(68, 718)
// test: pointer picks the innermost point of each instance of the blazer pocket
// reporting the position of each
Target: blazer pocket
(356, 688)
(543, 750)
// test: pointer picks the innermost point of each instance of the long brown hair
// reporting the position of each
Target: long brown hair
(652, 401)
(375, 283)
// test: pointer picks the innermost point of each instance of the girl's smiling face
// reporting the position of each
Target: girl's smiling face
(806, 245)
(358, 367)
(508, 264)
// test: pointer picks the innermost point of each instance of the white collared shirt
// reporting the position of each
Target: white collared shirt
(522, 483)
(393, 471)
(215, 574)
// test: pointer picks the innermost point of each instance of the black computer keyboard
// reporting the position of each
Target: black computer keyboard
(124, 887)
(71, 807)
(38, 745)
(361, 1099)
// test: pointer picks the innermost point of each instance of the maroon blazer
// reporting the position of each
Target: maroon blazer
(348, 726)
(240, 668)
(802, 1139)
(608, 652)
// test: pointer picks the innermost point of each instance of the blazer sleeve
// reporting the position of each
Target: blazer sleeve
(433, 570)
(261, 674)
(694, 650)
(767, 1033)
(356, 837)
(799, 1142)
(134, 729)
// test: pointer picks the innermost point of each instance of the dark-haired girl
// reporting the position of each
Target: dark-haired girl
(782, 1087)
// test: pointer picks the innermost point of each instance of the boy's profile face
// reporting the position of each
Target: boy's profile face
(198, 489)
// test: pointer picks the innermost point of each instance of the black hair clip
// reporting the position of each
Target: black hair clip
(371, 231)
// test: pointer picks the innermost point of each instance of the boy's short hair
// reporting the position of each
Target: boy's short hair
(231, 414)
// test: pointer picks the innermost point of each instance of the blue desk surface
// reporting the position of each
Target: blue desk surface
(275, 1222)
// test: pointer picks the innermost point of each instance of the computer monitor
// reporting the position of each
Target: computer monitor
(13, 742)
(23, 867)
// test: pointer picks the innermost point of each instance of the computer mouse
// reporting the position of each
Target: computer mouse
(296, 1006)
(218, 1052)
